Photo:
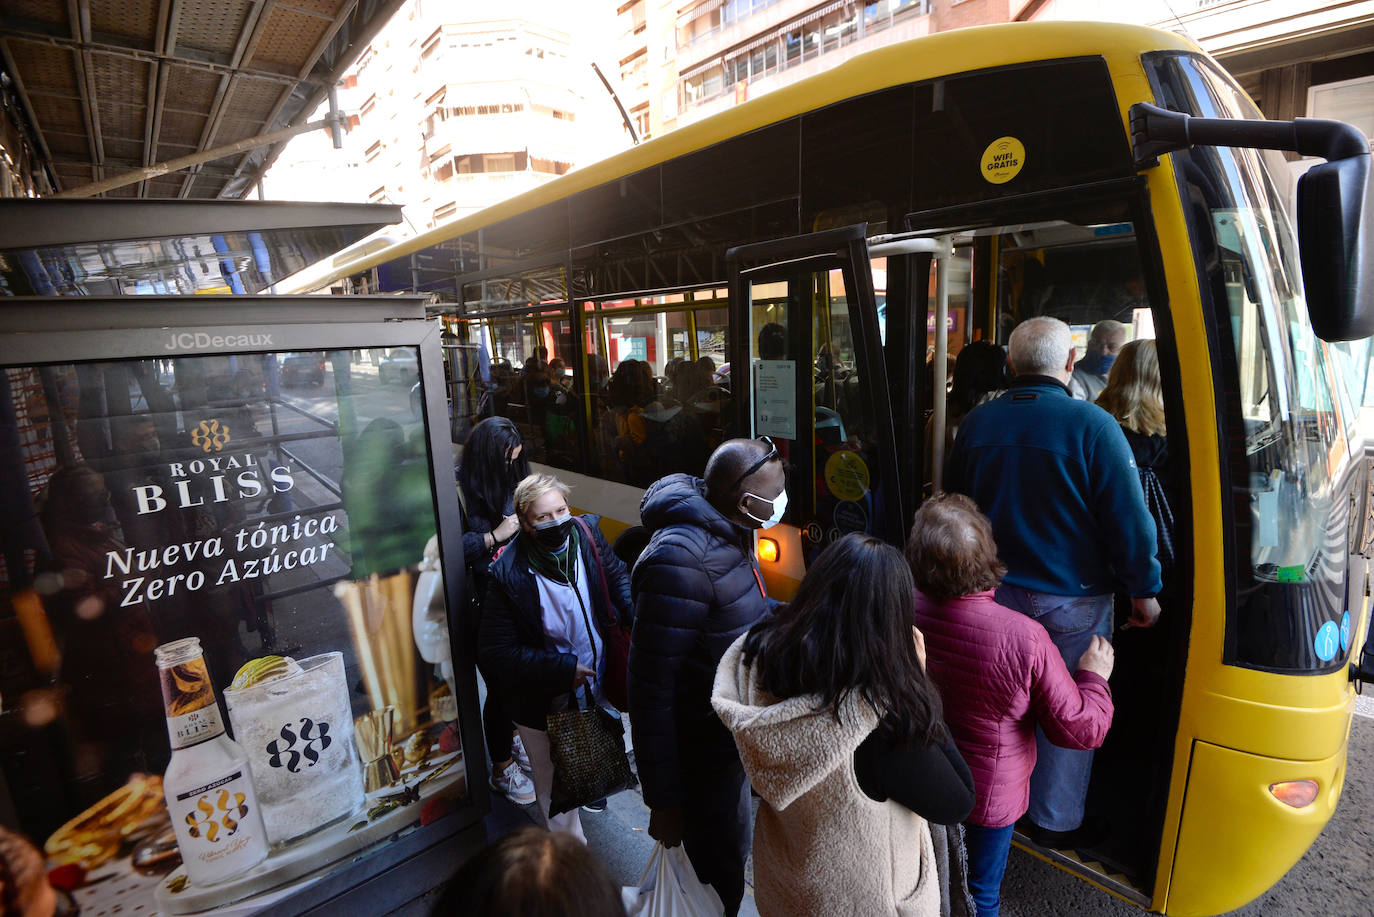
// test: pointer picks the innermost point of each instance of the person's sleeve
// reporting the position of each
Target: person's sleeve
(672, 599)
(527, 668)
(932, 781)
(1074, 710)
(474, 548)
(1132, 542)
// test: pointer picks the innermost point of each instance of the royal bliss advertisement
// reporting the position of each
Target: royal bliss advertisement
(226, 665)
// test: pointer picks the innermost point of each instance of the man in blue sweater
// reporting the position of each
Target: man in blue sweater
(1057, 478)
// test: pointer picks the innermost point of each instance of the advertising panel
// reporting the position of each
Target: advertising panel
(227, 666)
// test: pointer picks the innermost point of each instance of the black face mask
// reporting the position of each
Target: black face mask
(553, 534)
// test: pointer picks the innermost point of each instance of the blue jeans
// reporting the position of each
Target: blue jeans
(987, 863)
(1059, 783)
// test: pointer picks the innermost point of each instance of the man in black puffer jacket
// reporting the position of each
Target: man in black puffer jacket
(696, 589)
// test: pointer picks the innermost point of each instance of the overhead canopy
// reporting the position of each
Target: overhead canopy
(96, 89)
(125, 247)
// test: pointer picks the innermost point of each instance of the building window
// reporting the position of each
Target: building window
(549, 166)
(378, 195)
(431, 43)
(445, 212)
(1349, 100)
(373, 151)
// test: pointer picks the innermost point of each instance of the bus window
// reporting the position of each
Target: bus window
(532, 381)
(648, 421)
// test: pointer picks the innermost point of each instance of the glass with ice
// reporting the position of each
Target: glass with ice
(295, 721)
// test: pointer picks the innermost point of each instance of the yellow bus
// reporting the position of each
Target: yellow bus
(805, 265)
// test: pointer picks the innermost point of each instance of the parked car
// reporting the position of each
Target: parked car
(303, 368)
(398, 366)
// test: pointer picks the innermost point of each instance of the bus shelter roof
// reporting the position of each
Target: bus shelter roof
(79, 247)
(93, 90)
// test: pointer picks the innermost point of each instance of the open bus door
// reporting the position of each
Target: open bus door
(804, 322)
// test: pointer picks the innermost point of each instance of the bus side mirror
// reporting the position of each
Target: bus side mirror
(1335, 199)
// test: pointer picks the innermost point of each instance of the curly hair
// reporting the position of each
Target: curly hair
(951, 550)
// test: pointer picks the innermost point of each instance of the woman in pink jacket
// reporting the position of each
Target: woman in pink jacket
(1000, 676)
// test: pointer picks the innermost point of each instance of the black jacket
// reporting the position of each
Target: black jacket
(511, 642)
(696, 589)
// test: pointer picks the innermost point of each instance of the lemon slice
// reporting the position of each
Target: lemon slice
(264, 668)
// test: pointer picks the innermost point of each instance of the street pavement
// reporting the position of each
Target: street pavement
(1334, 879)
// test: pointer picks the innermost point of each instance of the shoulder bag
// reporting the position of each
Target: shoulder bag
(615, 639)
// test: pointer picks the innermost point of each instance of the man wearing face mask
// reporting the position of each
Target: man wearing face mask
(544, 621)
(1090, 373)
(697, 587)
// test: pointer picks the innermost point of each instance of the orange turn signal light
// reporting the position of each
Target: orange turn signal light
(1295, 793)
(768, 550)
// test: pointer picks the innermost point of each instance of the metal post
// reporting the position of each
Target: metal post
(194, 159)
(941, 367)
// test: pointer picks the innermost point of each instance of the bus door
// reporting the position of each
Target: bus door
(808, 373)
(1090, 259)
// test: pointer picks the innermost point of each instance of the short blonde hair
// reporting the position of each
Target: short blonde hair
(1133, 394)
(534, 487)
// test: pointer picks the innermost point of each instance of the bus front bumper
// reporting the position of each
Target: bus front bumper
(1236, 839)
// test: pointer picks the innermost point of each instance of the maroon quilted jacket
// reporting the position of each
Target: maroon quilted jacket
(999, 675)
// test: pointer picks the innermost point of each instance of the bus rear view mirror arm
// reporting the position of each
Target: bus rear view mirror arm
(1156, 130)
(1334, 200)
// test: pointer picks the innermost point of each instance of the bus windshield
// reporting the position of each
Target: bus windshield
(1287, 443)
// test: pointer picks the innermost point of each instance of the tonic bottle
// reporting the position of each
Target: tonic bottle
(208, 786)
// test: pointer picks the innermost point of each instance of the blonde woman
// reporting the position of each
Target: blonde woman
(552, 597)
(1134, 397)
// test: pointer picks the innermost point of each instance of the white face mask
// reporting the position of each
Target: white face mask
(779, 504)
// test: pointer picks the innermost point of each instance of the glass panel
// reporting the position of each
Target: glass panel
(657, 414)
(1288, 447)
(819, 418)
(270, 505)
(531, 288)
(845, 438)
(533, 382)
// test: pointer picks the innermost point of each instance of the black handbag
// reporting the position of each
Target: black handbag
(587, 746)
(1158, 504)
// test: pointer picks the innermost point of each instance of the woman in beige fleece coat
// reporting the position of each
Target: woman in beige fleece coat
(840, 732)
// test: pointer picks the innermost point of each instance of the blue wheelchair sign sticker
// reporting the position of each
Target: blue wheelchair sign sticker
(1328, 638)
(1345, 632)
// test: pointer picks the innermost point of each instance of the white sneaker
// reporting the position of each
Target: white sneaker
(514, 785)
(522, 758)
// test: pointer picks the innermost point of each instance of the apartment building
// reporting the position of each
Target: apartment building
(682, 60)
(457, 106)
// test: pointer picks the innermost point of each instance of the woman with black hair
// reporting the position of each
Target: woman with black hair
(840, 732)
(493, 462)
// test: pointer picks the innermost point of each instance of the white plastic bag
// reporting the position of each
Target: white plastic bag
(669, 887)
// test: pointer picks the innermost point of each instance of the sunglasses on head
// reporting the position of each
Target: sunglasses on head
(772, 454)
